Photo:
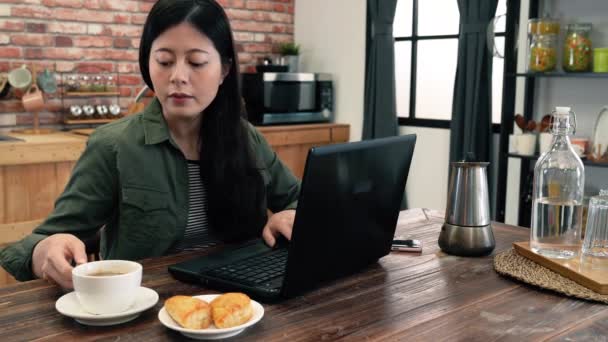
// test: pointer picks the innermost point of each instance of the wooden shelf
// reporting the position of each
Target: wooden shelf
(87, 121)
(562, 74)
(91, 93)
(534, 157)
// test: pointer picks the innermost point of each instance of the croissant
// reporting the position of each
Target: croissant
(189, 312)
(231, 309)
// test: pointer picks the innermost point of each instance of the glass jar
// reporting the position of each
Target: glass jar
(557, 195)
(542, 55)
(72, 83)
(110, 84)
(577, 48)
(98, 84)
(85, 84)
(542, 26)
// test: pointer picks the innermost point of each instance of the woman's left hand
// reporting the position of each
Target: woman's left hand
(280, 223)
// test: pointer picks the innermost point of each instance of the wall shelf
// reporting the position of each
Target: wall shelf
(90, 93)
(87, 121)
(561, 74)
(586, 162)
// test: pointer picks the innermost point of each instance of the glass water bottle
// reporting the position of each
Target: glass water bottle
(559, 179)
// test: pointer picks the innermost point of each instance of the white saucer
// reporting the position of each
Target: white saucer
(68, 305)
(211, 333)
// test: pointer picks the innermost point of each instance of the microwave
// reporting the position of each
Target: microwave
(287, 97)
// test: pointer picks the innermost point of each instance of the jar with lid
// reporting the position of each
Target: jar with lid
(72, 83)
(557, 195)
(85, 84)
(110, 84)
(540, 26)
(577, 48)
(98, 84)
(542, 54)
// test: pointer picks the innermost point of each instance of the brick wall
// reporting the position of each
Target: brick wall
(92, 36)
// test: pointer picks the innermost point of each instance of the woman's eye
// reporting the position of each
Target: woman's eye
(164, 63)
(198, 65)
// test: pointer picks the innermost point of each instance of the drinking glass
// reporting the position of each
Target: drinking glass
(596, 233)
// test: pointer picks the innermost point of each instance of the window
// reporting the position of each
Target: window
(426, 48)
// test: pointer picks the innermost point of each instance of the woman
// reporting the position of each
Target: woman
(179, 175)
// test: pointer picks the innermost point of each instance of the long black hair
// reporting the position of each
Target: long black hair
(235, 188)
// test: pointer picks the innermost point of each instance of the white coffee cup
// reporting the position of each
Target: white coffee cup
(524, 144)
(544, 142)
(107, 286)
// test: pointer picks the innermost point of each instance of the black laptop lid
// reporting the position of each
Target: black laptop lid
(347, 210)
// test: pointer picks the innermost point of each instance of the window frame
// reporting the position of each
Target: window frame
(412, 120)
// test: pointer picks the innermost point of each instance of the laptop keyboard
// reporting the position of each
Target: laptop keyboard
(254, 271)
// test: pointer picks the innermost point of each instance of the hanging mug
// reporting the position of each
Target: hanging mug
(20, 79)
(33, 100)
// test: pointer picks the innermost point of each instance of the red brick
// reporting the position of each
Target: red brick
(46, 118)
(243, 36)
(36, 27)
(119, 5)
(125, 68)
(257, 48)
(280, 17)
(124, 30)
(82, 15)
(115, 55)
(4, 66)
(11, 106)
(237, 14)
(279, 29)
(10, 52)
(129, 80)
(91, 4)
(11, 25)
(125, 91)
(63, 53)
(145, 6)
(31, 40)
(62, 3)
(63, 27)
(31, 12)
(291, 10)
(122, 43)
(278, 38)
(135, 43)
(238, 25)
(138, 19)
(245, 58)
(92, 41)
(34, 53)
(263, 5)
(122, 18)
(279, 8)
(64, 66)
(63, 41)
(94, 67)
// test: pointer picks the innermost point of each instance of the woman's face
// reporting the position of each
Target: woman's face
(186, 71)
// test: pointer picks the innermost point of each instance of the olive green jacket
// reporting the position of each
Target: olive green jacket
(133, 179)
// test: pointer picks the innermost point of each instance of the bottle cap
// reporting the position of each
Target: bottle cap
(562, 110)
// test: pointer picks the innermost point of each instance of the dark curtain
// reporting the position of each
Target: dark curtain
(471, 124)
(380, 112)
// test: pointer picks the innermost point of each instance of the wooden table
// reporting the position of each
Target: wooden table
(427, 297)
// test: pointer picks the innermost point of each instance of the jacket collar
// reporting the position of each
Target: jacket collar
(155, 126)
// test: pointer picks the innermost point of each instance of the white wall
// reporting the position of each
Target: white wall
(427, 183)
(332, 38)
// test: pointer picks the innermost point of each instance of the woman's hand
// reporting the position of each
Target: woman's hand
(280, 223)
(52, 258)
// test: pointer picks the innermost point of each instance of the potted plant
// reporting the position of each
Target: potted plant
(290, 55)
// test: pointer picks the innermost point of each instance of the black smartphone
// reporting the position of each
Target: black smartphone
(407, 245)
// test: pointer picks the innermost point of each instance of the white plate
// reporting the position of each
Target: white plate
(68, 305)
(211, 333)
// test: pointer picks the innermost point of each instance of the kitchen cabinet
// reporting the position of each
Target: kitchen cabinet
(33, 172)
(541, 92)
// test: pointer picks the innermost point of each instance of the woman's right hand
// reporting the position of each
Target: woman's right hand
(52, 258)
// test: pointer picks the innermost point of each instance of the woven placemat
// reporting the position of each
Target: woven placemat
(511, 264)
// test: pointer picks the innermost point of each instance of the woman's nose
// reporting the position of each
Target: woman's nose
(180, 73)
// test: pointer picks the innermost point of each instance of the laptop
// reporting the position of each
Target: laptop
(346, 218)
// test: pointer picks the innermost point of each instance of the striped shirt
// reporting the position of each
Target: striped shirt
(197, 235)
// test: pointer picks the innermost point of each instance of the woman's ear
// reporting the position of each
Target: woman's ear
(225, 70)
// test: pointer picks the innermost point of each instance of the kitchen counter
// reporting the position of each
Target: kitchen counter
(42, 148)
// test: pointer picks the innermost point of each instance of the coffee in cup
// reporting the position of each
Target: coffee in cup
(107, 286)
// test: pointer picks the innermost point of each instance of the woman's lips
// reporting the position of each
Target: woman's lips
(180, 98)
